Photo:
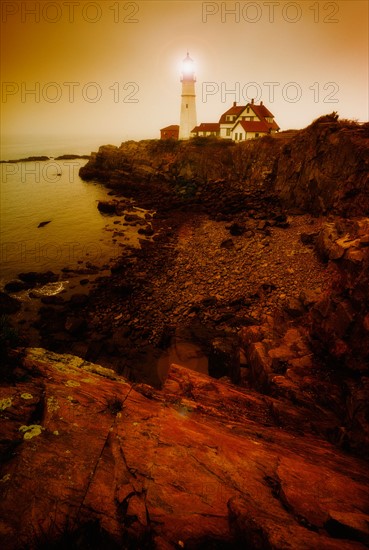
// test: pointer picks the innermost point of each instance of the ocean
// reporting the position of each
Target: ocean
(14, 147)
(52, 191)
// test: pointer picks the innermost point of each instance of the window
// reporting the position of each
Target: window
(256, 135)
(228, 132)
(248, 110)
(236, 136)
(240, 136)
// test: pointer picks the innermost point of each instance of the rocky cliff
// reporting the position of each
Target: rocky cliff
(315, 352)
(92, 461)
(323, 168)
(278, 299)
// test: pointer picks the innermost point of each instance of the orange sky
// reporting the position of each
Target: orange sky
(122, 62)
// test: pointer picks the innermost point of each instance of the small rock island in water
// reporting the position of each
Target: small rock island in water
(253, 270)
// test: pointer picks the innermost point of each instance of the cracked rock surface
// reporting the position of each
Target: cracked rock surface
(198, 464)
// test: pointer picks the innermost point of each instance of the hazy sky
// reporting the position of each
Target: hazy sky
(111, 69)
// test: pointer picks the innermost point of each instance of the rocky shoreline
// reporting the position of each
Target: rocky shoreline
(265, 291)
(41, 158)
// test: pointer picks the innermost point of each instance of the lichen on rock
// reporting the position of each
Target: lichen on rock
(199, 461)
(5, 403)
(33, 430)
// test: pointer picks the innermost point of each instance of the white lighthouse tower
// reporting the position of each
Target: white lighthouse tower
(188, 103)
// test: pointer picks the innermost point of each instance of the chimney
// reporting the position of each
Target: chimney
(252, 101)
(234, 103)
(261, 102)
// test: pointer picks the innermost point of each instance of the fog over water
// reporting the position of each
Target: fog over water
(52, 191)
(15, 146)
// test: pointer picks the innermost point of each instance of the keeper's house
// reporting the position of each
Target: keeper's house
(239, 123)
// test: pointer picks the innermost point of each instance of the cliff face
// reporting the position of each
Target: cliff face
(186, 172)
(321, 169)
(91, 460)
(325, 168)
(95, 462)
(316, 352)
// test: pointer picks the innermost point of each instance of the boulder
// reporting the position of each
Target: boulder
(9, 304)
(224, 359)
(107, 207)
(327, 243)
(15, 285)
(34, 277)
(148, 231)
(294, 307)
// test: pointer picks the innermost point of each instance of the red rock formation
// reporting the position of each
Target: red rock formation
(320, 361)
(325, 168)
(96, 461)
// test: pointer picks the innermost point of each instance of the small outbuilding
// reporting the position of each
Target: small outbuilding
(170, 132)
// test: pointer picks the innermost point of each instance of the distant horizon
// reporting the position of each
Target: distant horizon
(15, 146)
(113, 69)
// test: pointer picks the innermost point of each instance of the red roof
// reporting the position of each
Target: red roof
(207, 127)
(260, 126)
(171, 127)
(234, 110)
(260, 110)
(256, 126)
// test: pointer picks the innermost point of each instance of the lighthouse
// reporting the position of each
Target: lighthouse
(188, 118)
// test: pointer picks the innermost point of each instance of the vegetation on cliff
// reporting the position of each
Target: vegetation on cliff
(258, 257)
(323, 168)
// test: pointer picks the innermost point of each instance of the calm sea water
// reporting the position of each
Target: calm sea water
(14, 147)
(52, 191)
